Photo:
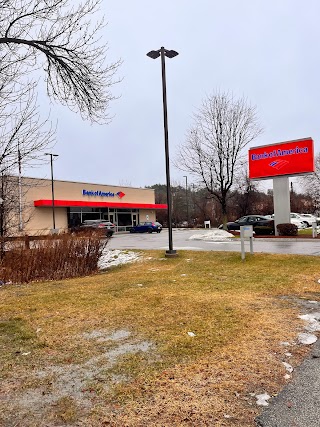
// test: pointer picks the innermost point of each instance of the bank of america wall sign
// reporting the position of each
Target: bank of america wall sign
(285, 158)
(99, 193)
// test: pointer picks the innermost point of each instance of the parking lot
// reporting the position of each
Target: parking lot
(181, 241)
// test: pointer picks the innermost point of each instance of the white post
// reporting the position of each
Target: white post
(314, 230)
(245, 232)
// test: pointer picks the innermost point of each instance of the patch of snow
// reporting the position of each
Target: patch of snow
(285, 343)
(313, 302)
(311, 317)
(287, 377)
(262, 399)
(288, 367)
(113, 257)
(307, 339)
(191, 334)
(288, 354)
(313, 320)
(213, 234)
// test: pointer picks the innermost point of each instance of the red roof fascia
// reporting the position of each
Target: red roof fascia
(81, 203)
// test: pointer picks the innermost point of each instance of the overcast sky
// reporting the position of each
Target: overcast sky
(267, 51)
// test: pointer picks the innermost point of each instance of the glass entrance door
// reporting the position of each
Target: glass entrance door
(134, 219)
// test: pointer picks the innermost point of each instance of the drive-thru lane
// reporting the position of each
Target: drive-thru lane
(181, 242)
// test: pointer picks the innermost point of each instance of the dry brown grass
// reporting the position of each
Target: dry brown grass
(116, 345)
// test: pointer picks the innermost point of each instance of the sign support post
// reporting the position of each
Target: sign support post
(245, 232)
(281, 201)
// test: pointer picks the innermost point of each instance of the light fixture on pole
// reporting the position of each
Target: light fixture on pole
(52, 189)
(187, 204)
(154, 54)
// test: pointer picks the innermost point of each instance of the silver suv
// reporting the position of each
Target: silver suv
(101, 224)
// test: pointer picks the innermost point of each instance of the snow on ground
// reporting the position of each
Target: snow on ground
(213, 234)
(111, 257)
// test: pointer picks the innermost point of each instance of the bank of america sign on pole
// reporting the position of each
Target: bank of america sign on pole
(285, 158)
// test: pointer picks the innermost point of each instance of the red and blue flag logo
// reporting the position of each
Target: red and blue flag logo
(120, 194)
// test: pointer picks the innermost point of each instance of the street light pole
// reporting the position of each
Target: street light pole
(162, 52)
(52, 189)
(187, 204)
(20, 189)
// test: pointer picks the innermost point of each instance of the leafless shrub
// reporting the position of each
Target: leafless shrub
(54, 258)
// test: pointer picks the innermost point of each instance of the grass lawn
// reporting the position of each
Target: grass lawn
(305, 232)
(160, 342)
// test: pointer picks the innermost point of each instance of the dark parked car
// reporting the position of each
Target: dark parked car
(100, 224)
(146, 227)
(265, 225)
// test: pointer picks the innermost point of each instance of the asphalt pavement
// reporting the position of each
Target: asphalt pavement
(298, 404)
(181, 241)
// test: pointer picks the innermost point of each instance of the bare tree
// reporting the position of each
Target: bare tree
(24, 136)
(64, 39)
(213, 151)
(311, 184)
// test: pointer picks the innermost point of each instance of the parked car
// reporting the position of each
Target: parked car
(297, 219)
(108, 226)
(146, 227)
(254, 220)
(309, 218)
(294, 219)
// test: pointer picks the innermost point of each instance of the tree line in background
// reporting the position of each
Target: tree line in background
(193, 205)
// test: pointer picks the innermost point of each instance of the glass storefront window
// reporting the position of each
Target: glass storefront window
(122, 217)
(86, 209)
(90, 215)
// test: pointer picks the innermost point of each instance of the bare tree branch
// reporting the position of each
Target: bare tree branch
(311, 183)
(64, 40)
